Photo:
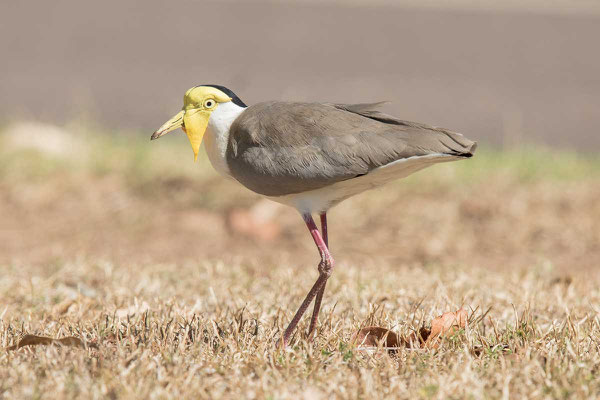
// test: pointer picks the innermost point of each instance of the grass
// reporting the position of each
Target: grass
(202, 330)
(134, 250)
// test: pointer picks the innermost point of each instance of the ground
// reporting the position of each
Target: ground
(180, 283)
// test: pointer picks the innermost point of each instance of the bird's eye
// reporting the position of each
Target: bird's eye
(210, 103)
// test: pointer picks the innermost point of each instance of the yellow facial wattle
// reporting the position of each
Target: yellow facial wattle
(198, 103)
(194, 124)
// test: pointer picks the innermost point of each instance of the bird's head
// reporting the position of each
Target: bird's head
(198, 104)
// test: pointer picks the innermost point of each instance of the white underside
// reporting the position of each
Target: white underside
(320, 200)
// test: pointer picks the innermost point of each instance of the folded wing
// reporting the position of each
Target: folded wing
(278, 148)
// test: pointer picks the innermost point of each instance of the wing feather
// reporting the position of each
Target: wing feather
(278, 148)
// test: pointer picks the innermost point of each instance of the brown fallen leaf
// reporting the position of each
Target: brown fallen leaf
(372, 336)
(444, 324)
(33, 340)
(418, 339)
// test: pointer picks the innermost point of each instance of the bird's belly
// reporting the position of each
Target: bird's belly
(320, 200)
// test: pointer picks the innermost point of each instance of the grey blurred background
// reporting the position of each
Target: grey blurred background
(506, 73)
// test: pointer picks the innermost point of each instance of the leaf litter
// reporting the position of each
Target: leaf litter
(372, 337)
(34, 340)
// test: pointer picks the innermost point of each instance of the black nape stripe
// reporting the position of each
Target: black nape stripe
(236, 100)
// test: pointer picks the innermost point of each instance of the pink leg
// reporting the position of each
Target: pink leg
(315, 316)
(325, 268)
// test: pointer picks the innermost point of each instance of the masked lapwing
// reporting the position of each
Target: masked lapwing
(310, 156)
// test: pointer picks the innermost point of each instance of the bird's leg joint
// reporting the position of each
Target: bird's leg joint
(326, 265)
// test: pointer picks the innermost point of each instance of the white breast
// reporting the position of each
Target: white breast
(217, 135)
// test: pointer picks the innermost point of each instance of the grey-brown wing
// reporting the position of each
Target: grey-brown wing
(436, 140)
(278, 148)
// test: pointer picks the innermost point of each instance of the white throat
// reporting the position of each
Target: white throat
(217, 135)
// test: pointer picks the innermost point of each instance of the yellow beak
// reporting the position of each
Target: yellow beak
(170, 125)
(192, 121)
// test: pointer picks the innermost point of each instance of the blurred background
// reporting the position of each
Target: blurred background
(84, 84)
(499, 71)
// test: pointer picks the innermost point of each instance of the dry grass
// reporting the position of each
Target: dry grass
(133, 250)
(208, 330)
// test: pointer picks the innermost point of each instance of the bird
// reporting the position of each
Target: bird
(310, 156)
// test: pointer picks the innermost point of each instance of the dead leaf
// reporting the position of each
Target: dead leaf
(418, 339)
(372, 336)
(447, 323)
(33, 340)
(444, 324)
